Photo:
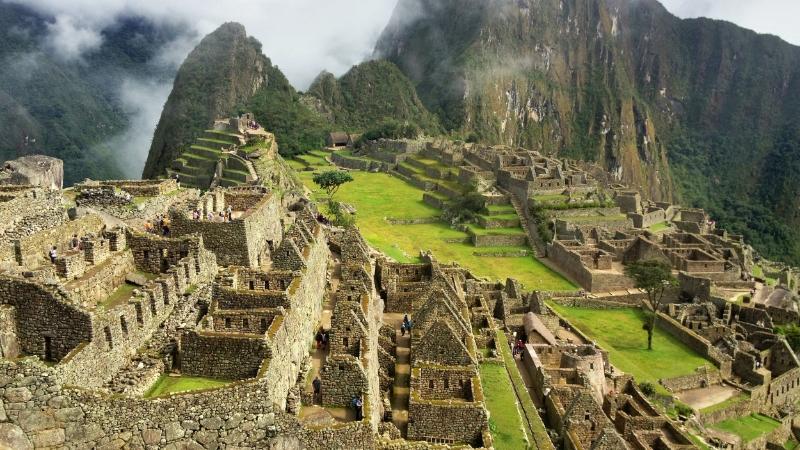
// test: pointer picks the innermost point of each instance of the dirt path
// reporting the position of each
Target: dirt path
(705, 397)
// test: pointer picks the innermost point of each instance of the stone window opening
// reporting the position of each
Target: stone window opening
(461, 383)
(447, 383)
(246, 323)
(146, 255)
(139, 318)
(345, 342)
(591, 366)
(252, 285)
(587, 416)
(227, 322)
(109, 340)
(430, 384)
(123, 325)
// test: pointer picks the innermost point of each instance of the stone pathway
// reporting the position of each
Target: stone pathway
(402, 374)
(319, 356)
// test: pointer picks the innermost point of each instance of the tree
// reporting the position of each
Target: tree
(331, 181)
(654, 277)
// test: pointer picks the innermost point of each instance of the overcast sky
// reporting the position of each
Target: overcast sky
(778, 17)
(306, 36)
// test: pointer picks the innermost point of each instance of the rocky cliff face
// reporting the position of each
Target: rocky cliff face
(225, 70)
(652, 97)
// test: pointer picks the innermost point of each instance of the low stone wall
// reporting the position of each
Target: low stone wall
(490, 222)
(499, 240)
(702, 378)
(696, 343)
(432, 200)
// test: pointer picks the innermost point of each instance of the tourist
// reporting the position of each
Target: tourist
(148, 227)
(53, 255)
(318, 338)
(229, 212)
(177, 179)
(196, 214)
(210, 216)
(75, 242)
(325, 339)
(317, 384)
(405, 319)
(403, 329)
(357, 404)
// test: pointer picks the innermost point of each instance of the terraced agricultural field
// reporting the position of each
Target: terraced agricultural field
(378, 196)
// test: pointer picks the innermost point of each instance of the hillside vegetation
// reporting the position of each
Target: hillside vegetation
(700, 111)
(368, 94)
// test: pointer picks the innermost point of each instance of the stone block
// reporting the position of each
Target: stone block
(12, 437)
(49, 438)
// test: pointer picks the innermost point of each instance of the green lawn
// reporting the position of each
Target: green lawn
(748, 427)
(168, 385)
(119, 296)
(619, 331)
(377, 196)
(661, 226)
(504, 418)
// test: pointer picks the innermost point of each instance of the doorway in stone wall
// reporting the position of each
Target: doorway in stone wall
(48, 348)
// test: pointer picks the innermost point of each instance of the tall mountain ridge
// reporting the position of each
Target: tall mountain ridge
(700, 111)
(227, 73)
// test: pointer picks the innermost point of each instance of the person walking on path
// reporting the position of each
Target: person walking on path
(357, 404)
(317, 384)
(318, 338)
(53, 255)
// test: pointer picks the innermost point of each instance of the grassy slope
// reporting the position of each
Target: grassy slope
(504, 420)
(748, 427)
(619, 331)
(377, 196)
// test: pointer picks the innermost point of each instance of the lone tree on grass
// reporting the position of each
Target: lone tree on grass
(331, 181)
(653, 277)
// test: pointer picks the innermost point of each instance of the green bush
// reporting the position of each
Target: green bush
(647, 388)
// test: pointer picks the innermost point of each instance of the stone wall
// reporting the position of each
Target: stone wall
(29, 211)
(500, 240)
(447, 422)
(9, 347)
(224, 356)
(343, 378)
(696, 343)
(32, 250)
(121, 330)
(105, 278)
(48, 323)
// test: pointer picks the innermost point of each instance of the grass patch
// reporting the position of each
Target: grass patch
(504, 419)
(619, 331)
(748, 427)
(661, 226)
(119, 296)
(169, 385)
(377, 196)
(724, 404)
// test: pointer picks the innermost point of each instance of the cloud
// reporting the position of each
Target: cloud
(302, 37)
(142, 101)
(776, 17)
(68, 39)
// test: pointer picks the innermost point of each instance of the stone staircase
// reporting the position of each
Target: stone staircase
(533, 236)
(402, 377)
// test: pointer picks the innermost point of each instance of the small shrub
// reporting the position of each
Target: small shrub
(647, 388)
(683, 409)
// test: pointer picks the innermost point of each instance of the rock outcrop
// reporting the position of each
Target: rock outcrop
(35, 170)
